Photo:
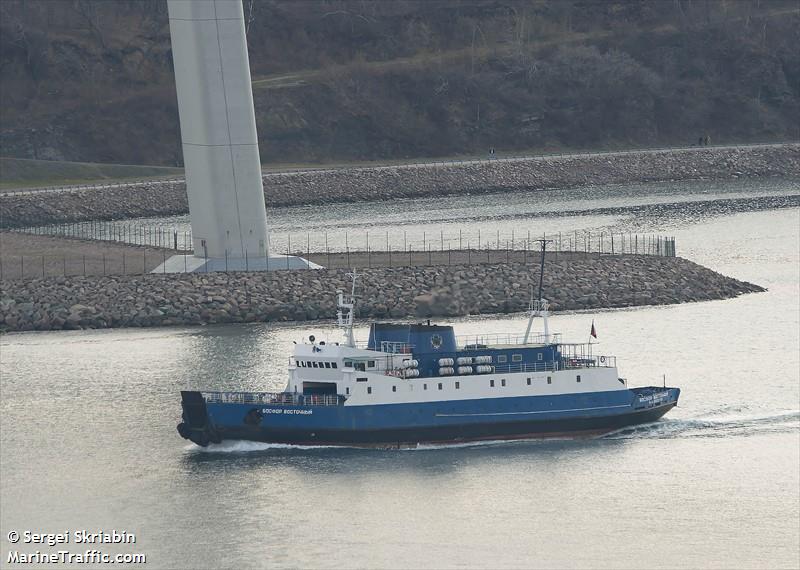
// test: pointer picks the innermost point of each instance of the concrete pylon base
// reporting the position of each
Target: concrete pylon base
(194, 264)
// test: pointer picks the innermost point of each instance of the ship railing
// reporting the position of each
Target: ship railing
(274, 398)
(527, 367)
(473, 341)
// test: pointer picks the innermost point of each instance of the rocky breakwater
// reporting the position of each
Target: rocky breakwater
(415, 180)
(162, 300)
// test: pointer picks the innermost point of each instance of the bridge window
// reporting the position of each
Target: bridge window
(458, 385)
(334, 365)
(549, 379)
(529, 381)
(516, 358)
(369, 389)
(371, 363)
(348, 364)
(491, 383)
(502, 358)
(315, 364)
(327, 365)
(360, 366)
(361, 379)
(440, 385)
(308, 364)
(394, 388)
(503, 382)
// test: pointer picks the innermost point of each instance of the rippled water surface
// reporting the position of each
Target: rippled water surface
(88, 440)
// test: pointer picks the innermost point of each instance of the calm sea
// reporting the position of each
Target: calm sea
(88, 440)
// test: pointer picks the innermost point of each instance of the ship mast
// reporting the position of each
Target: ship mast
(539, 307)
(346, 310)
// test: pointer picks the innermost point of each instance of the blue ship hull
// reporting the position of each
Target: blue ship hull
(401, 425)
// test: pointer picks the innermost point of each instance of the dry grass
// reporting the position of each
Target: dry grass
(30, 256)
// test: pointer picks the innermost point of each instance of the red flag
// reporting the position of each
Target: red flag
(593, 332)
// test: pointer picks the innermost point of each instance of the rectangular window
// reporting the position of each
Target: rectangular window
(529, 381)
(315, 364)
(458, 385)
(539, 356)
(502, 358)
(424, 386)
(348, 364)
(549, 379)
(360, 366)
(516, 358)
(491, 383)
(347, 390)
(440, 385)
(327, 365)
(308, 364)
(334, 365)
(503, 382)
(394, 388)
(371, 363)
(578, 378)
(369, 389)
(361, 379)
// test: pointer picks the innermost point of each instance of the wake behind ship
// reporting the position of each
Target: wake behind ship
(420, 383)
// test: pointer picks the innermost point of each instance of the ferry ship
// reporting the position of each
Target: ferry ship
(410, 384)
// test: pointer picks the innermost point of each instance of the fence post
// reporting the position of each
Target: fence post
(84, 266)
(124, 272)
(104, 264)
(43, 267)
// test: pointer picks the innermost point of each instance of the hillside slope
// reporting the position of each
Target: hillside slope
(90, 80)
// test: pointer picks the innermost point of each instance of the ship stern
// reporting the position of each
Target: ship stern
(196, 425)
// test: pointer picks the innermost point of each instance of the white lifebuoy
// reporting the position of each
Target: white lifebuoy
(602, 359)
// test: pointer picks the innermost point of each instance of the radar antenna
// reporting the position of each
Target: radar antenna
(346, 310)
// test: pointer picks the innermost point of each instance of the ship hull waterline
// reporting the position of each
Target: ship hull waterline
(571, 428)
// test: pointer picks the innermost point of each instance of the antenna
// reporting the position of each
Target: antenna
(539, 307)
(544, 243)
(347, 304)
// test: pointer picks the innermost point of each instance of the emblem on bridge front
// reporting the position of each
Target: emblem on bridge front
(436, 341)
